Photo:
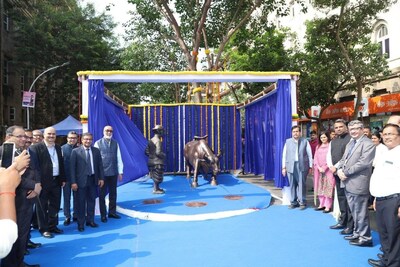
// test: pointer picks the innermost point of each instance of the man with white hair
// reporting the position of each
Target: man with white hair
(113, 169)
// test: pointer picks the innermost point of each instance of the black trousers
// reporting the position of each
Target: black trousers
(345, 218)
(389, 230)
(50, 200)
(24, 209)
(67, 201)
(110, 186)
(86, 203)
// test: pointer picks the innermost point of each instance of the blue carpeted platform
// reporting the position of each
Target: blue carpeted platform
(274, 236)
(230, 195)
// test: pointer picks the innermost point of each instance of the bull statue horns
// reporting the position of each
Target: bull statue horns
(200, 137)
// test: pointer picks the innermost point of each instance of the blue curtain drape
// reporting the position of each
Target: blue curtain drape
(267, 125)
(182, 122)
(131, 141)
(282, 129)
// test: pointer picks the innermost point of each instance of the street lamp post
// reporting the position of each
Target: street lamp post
(33, 83)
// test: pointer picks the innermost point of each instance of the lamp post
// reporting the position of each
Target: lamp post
(33, 83)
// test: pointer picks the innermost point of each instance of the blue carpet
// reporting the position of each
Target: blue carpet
(273, 236)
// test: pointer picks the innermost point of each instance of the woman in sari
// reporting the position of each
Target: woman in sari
(324, 182)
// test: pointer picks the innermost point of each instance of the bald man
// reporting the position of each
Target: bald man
(395, 119)
(51, 167)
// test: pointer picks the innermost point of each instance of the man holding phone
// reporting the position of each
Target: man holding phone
(28, 189)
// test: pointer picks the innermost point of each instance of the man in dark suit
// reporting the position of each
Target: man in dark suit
(28, 189)
(51, 167)
(354, 171)
(72, 139)
(86, 168)
(336, 150)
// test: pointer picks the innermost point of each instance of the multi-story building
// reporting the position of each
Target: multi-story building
(14, 80)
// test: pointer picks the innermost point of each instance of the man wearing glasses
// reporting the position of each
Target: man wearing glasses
(385, 187)
(87, 175)
(37, 137)
(72, 140)
(113, 169)
(51, 166)
(354, 171)
(29, 188)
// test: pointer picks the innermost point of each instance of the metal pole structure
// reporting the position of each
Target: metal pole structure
(33, 83)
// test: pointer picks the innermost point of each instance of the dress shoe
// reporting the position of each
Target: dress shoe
(115, 216)
(33, 244)
(361, 243)
(56, 230)
(380, 256)
(47, 235)
(346, 231)
(92, 224)
(337, 226)
(350, 237)
(67, 221)
(327, 211)
(104, 219)
(376, 263)
(319, 208)
(31, 265)
(303, 207)
(292, 206)
(81, 229)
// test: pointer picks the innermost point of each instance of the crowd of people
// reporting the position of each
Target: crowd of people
(31, 188)
(363, 167)
(358, 166)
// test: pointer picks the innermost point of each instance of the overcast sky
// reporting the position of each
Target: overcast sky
(118, 10)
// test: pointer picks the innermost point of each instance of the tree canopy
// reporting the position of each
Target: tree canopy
(339, 53)
(191, 25)
(55, 32)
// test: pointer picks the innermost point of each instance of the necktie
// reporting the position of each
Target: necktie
(88, 162)
(352, 144)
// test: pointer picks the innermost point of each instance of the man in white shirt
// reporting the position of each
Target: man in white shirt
(385, 187)
(297, 163)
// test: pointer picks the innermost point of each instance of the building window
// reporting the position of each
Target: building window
(6, 21)
(22, 83)
(12, 113)
(5, 72)
(382, 38)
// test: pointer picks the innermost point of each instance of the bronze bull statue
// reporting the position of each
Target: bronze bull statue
(201, 158)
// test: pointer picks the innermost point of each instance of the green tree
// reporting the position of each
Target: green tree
(145, 55)
(54, 32)
(253, 49)
(339, 53)
(193, 24)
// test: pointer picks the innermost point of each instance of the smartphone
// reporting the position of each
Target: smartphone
(8, 155)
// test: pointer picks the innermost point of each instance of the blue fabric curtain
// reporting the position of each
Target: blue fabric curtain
(282, 129)
(131, 141)
(267, 125)
(183, 122)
